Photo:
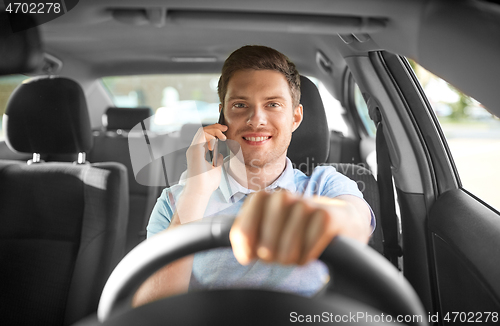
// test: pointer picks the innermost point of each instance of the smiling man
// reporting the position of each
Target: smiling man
(285, 219)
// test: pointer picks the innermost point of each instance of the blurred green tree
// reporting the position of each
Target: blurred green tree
(458, 107)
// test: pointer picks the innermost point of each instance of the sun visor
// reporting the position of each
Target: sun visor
(462, 45)
(21, 51)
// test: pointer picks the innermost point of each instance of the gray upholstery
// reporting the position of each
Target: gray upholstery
(109, 145)
(48, 115)
(368, 186)
(125, 118)
(63, 232)
(310, 146)
(63, 224)
(311, 141)
(8, 154)
(178, 158)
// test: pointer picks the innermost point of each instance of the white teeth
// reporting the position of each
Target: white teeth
(256, 138)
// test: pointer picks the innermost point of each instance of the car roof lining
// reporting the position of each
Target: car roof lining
(418, 29)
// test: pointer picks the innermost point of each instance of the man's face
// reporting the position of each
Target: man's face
(258, 111)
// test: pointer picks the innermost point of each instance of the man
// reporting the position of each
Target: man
(284, 218)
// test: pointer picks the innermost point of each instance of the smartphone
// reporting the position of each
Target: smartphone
(216, 151)
(221, 118)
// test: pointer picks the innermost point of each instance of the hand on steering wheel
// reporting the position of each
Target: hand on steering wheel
(373, 276)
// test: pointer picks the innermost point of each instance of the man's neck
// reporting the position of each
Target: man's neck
(257, 177)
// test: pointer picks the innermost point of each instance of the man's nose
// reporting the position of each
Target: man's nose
(257, 117)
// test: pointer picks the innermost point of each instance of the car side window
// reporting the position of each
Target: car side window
(472, 134)
(363, 113)
(333, 108)
(7, 86)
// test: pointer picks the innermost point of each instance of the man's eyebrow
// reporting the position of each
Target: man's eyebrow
(277, 97)
(237, 97)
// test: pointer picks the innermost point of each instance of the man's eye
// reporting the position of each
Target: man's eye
(238, 105)
(274, 104)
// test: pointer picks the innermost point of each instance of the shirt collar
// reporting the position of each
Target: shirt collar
(229, 186)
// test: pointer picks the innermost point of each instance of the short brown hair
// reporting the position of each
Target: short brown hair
(258, 57)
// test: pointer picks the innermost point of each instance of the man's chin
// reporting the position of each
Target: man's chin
(254, 163)
(260, 158)
(257, 162)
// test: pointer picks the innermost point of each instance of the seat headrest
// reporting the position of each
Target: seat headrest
(48, 115)
(125, 118)
(311, 141)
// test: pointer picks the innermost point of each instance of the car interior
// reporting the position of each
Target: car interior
(81, 164)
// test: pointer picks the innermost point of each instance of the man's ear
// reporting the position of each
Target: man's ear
(220, 107)
(298, 114)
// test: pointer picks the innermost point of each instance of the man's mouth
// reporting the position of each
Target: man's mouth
(256, 139)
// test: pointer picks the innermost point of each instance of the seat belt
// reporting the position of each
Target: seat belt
(153, 191)
(389, 219)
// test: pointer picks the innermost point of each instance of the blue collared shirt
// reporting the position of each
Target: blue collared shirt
(218, 268)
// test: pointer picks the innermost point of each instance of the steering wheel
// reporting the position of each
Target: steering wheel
(371, 278)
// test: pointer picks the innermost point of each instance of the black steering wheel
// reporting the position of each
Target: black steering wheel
(386, 295)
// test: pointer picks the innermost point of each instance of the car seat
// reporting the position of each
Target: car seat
(63, 225)
(310, 146)
(112, 144)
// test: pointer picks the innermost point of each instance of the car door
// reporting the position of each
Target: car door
(450, 237)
